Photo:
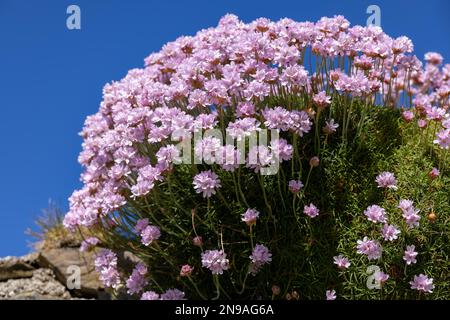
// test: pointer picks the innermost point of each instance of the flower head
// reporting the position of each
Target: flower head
(150, 295)
(389, 232)
(250, 216)
(89, 243)
(375, 214)
(341, 261)
(206, 182)
(410, 255)
(137, 281)
(295, 186)
(186, 270)
(311, 210)
(215, 260)
(330, 126)
(150, 234)
(434, 173)
(422, 283)
(330, 295)
(371, 248)
(173, 294)
(380, 277)
(386, 180)
(259, 257)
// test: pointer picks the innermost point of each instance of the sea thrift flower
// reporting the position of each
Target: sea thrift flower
(433, 58)
(371, 248)
(250, 216)
(137, 281)
(295, 186)
(422, 124)
(330, 294)
(408, 116)
(434, 173)
(341, 262)
(314, 162)
(380, 277)
(106, 265)
(311, 210)
(386, 180)
(206, 182)
(89, 243)
(410, 255)
(150, 295)
(141, 224)
(375, 214)
(150, 234)
(390, 232)
(215, 260)
(259, 257)
(443, 138)
(281, 149)
(410, 214)
(422, 283)
(330, 126)
(173, 294)
(321, 99)
(186, 270)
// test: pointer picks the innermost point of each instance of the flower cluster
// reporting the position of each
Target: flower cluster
(106, 265)
(241, 79)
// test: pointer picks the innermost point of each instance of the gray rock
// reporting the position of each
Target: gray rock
(41, 285)
(61, 260)
(18, 267)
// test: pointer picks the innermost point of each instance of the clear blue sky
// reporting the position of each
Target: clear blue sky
(51, 78)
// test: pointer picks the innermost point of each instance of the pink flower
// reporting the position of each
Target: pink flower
(150, 295)
(341, 262)
(186, 270)
(281, 149)
(137, 281)
(422, 283)
(443, 138)
(330, 294)
(311, 210)
(89, 243)
(390, 232)
(408, 116)
(410, 255)
(295, 186)
(410, 214)
(422, 123)
(330, 126)
(215, 260)
(150, 234)
(371, 248)
(434, 173)
(206, 182)
(259, 257)
(386, 180)
(173, 294)
(433, 58)
(321, 99)
(380, 277)
(250, 216)
(245, 109)
(106, 265)
(375, 214)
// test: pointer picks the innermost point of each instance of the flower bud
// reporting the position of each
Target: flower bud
(197, 241)
(186, 270)
(314, 162)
